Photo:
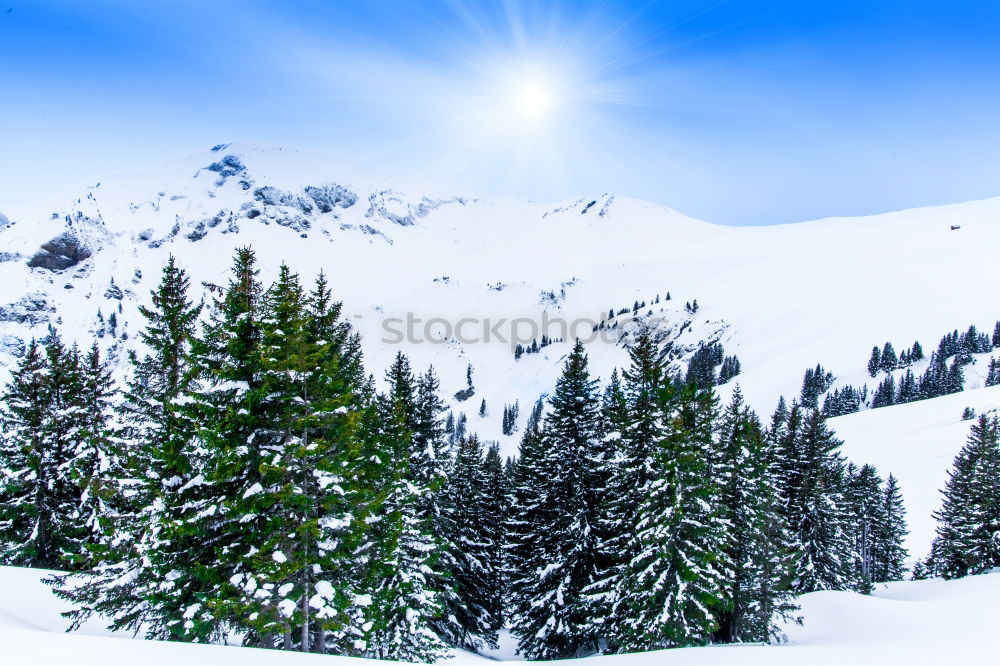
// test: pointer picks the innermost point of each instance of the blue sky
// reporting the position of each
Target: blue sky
(737, 112)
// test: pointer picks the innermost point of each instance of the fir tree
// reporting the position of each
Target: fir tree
(676, 538)
(967, 539)
(550, 618)
(875, 362)
(146, 580)
(888, 552)
(757, 551)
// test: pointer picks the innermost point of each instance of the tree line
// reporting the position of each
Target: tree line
(250, 480)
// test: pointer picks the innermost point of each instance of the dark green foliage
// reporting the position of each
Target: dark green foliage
(701, 367)
(815, 382)
(549, 606)
(758, 554)
(968, 534)
(875, 362)
(846, 400)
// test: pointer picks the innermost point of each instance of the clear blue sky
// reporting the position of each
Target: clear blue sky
(739, 112)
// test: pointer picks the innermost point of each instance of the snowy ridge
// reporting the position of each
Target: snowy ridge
(782, 298)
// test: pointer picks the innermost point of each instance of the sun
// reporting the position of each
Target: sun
(533, 101)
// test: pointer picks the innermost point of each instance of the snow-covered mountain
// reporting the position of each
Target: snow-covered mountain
(782, 298)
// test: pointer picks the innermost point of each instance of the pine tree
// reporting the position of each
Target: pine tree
(32, 491)
(634, 425)
(889, 361)
(889, 554)
(810, 473)
(146, 580)
(967, 539)
(470, 551)
(864, 497)
(756, 552)
(55, 484)
(672, 585)
(549, 610)
(496, 513)
(875, 362)
(405, 604)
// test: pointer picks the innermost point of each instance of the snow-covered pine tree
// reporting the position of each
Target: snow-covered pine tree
(865, 505)
(811, 471)
(526, 518)
(238, 432)
(51, 472)
(756, 551)
(673, 585)
(298, 581)
(968, 533)
(875, 362)
(889, 553)
(633, 423)
(32, 491)
(469, 548)
(97, 464)
(146, 578)
(405, 608)
(496, 512)
(550, 612)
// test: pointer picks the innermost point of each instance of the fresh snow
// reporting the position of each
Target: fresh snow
(914, 623)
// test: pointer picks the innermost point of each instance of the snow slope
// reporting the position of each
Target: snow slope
(782, 298)
(923, 622)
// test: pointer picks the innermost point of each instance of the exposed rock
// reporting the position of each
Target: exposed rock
(197, 233)
(230, 165)
(328, 197)
(63, 251)
(13, 345)
(32, 309)
(272, 196)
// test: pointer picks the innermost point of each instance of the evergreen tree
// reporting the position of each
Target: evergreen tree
(810, 473)
(865, 504)
(888, 552)
(634, 425)
(672, 584)
(33, 490)
(550, 617)
(993, 373)
(875, 362)
(756, 552)
(888, 361)
(471, 552)
(968, 534)
(146, 580)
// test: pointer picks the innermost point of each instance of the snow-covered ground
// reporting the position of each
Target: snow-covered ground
(923, 622)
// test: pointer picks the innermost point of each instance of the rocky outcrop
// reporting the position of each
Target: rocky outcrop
(32, 309)
(60, 253)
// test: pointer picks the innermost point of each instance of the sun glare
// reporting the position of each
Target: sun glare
(534, 101)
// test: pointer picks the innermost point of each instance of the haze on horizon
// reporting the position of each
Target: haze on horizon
(735, 112)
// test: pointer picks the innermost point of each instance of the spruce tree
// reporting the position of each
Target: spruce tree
(756, 552)
(470, 550)
(968, 533)
(672, 585)
(146, 580)
(550, 618)
(888, 550)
